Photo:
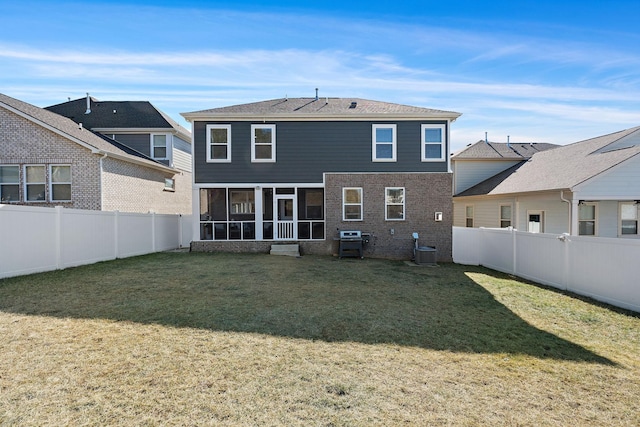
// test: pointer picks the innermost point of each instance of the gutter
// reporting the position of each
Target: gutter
(131, 159)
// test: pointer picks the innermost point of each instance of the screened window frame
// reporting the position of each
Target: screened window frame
(469, 220)
(424, 142)
(594, 219)
(254, 144)
(210, 127)
(375, 143)
(52, 183)
(502, 219)
(636, 207)
(387, 204)
(345, 203)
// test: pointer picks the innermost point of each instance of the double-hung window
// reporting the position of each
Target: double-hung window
(383, 143)
(505, 216)
(352, 204)
(9, 183)
(218, 143)
(35, 183)
(587, 219)
(468, 215)
(159, 147)
(263, 143)
(628, 218)
(60, 190)
(394, 204)
(433, 146)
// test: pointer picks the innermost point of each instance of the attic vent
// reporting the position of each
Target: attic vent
(354, 104)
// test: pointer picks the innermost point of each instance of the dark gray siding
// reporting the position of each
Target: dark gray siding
(139, 142)
(305, 150)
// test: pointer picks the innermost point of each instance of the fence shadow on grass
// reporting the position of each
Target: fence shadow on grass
(315, 298)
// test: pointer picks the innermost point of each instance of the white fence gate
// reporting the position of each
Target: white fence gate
(35, 239)
(606, 269)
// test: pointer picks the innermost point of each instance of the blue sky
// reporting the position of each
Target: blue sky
(547, 71)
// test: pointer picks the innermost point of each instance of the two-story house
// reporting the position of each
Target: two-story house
(302, 169)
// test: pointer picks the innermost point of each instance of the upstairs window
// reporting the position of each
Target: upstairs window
(352, 204)
(433, 147)
(60, 183)
(9, 183)
(628, 219)
(383, 146)
(263, 143)
(159, 147)
(394, 204)
(35, 183)
(219, 143)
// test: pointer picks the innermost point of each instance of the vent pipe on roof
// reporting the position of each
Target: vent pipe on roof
(486, 138)
(316, 94)
(508, 143)
(88, 105)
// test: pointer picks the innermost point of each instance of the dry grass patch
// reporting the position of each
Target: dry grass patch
(201, 339)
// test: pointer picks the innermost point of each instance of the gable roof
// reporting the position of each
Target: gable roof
(482, 150)
(562, 168)
(78, 134)
(321, 108)
(118, 115)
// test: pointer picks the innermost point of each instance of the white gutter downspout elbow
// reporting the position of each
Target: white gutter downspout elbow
(573, 213)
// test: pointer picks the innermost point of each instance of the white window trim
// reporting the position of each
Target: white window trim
(472, 218)
(374, 142)
(11, 183)
(167, 146)
(595, 219)
(228, 144)
(424, 143)
(51, 183)
(27, 184)
(627, 236)
(542, 220)
(500, 218)
(345, 204)
(273, 143)
(404, 201)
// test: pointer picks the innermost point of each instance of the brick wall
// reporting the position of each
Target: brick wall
(23, 142)
(129, 187)
(425, 194)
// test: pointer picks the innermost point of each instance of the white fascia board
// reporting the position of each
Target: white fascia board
(136, 131)
(317, 117)
(142, 162)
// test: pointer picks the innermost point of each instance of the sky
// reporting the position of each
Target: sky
(531, 71)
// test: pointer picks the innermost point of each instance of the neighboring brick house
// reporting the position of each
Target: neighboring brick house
(301, 169)
(48, 160)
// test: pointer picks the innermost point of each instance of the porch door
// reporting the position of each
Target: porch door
(535, 222)
(285, 218)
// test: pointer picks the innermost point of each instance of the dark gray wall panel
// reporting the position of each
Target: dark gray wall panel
(305, 150)
(139, 142)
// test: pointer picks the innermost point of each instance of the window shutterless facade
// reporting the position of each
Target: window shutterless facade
(159, 148)
(433, 143)
(628, 219)
(60, 186)
(35, 183)
(394, 204)
(9, 183)
(352, 204)
(218, 143)
(505, 216)
(469, 216)
(383, 143)
(587, 219)
(263, 143)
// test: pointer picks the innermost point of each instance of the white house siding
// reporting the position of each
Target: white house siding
(607, 218)
(486, 213)
(621, 182)
(181, 154)
(469, 173)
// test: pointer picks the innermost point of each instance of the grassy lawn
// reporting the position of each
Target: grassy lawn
(221, 339)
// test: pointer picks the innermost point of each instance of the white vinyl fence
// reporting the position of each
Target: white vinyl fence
(35, 239)
(605, 269)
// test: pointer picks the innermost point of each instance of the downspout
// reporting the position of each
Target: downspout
(570, 217)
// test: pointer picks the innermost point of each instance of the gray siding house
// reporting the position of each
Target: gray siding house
(301, 169)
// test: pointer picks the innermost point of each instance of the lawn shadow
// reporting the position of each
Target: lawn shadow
(314, 298)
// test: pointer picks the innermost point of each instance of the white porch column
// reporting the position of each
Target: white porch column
(258, 212)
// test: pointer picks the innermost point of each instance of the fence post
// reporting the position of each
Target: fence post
(58, 236)
(514, 251)
(153, 231)
(116, 232)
